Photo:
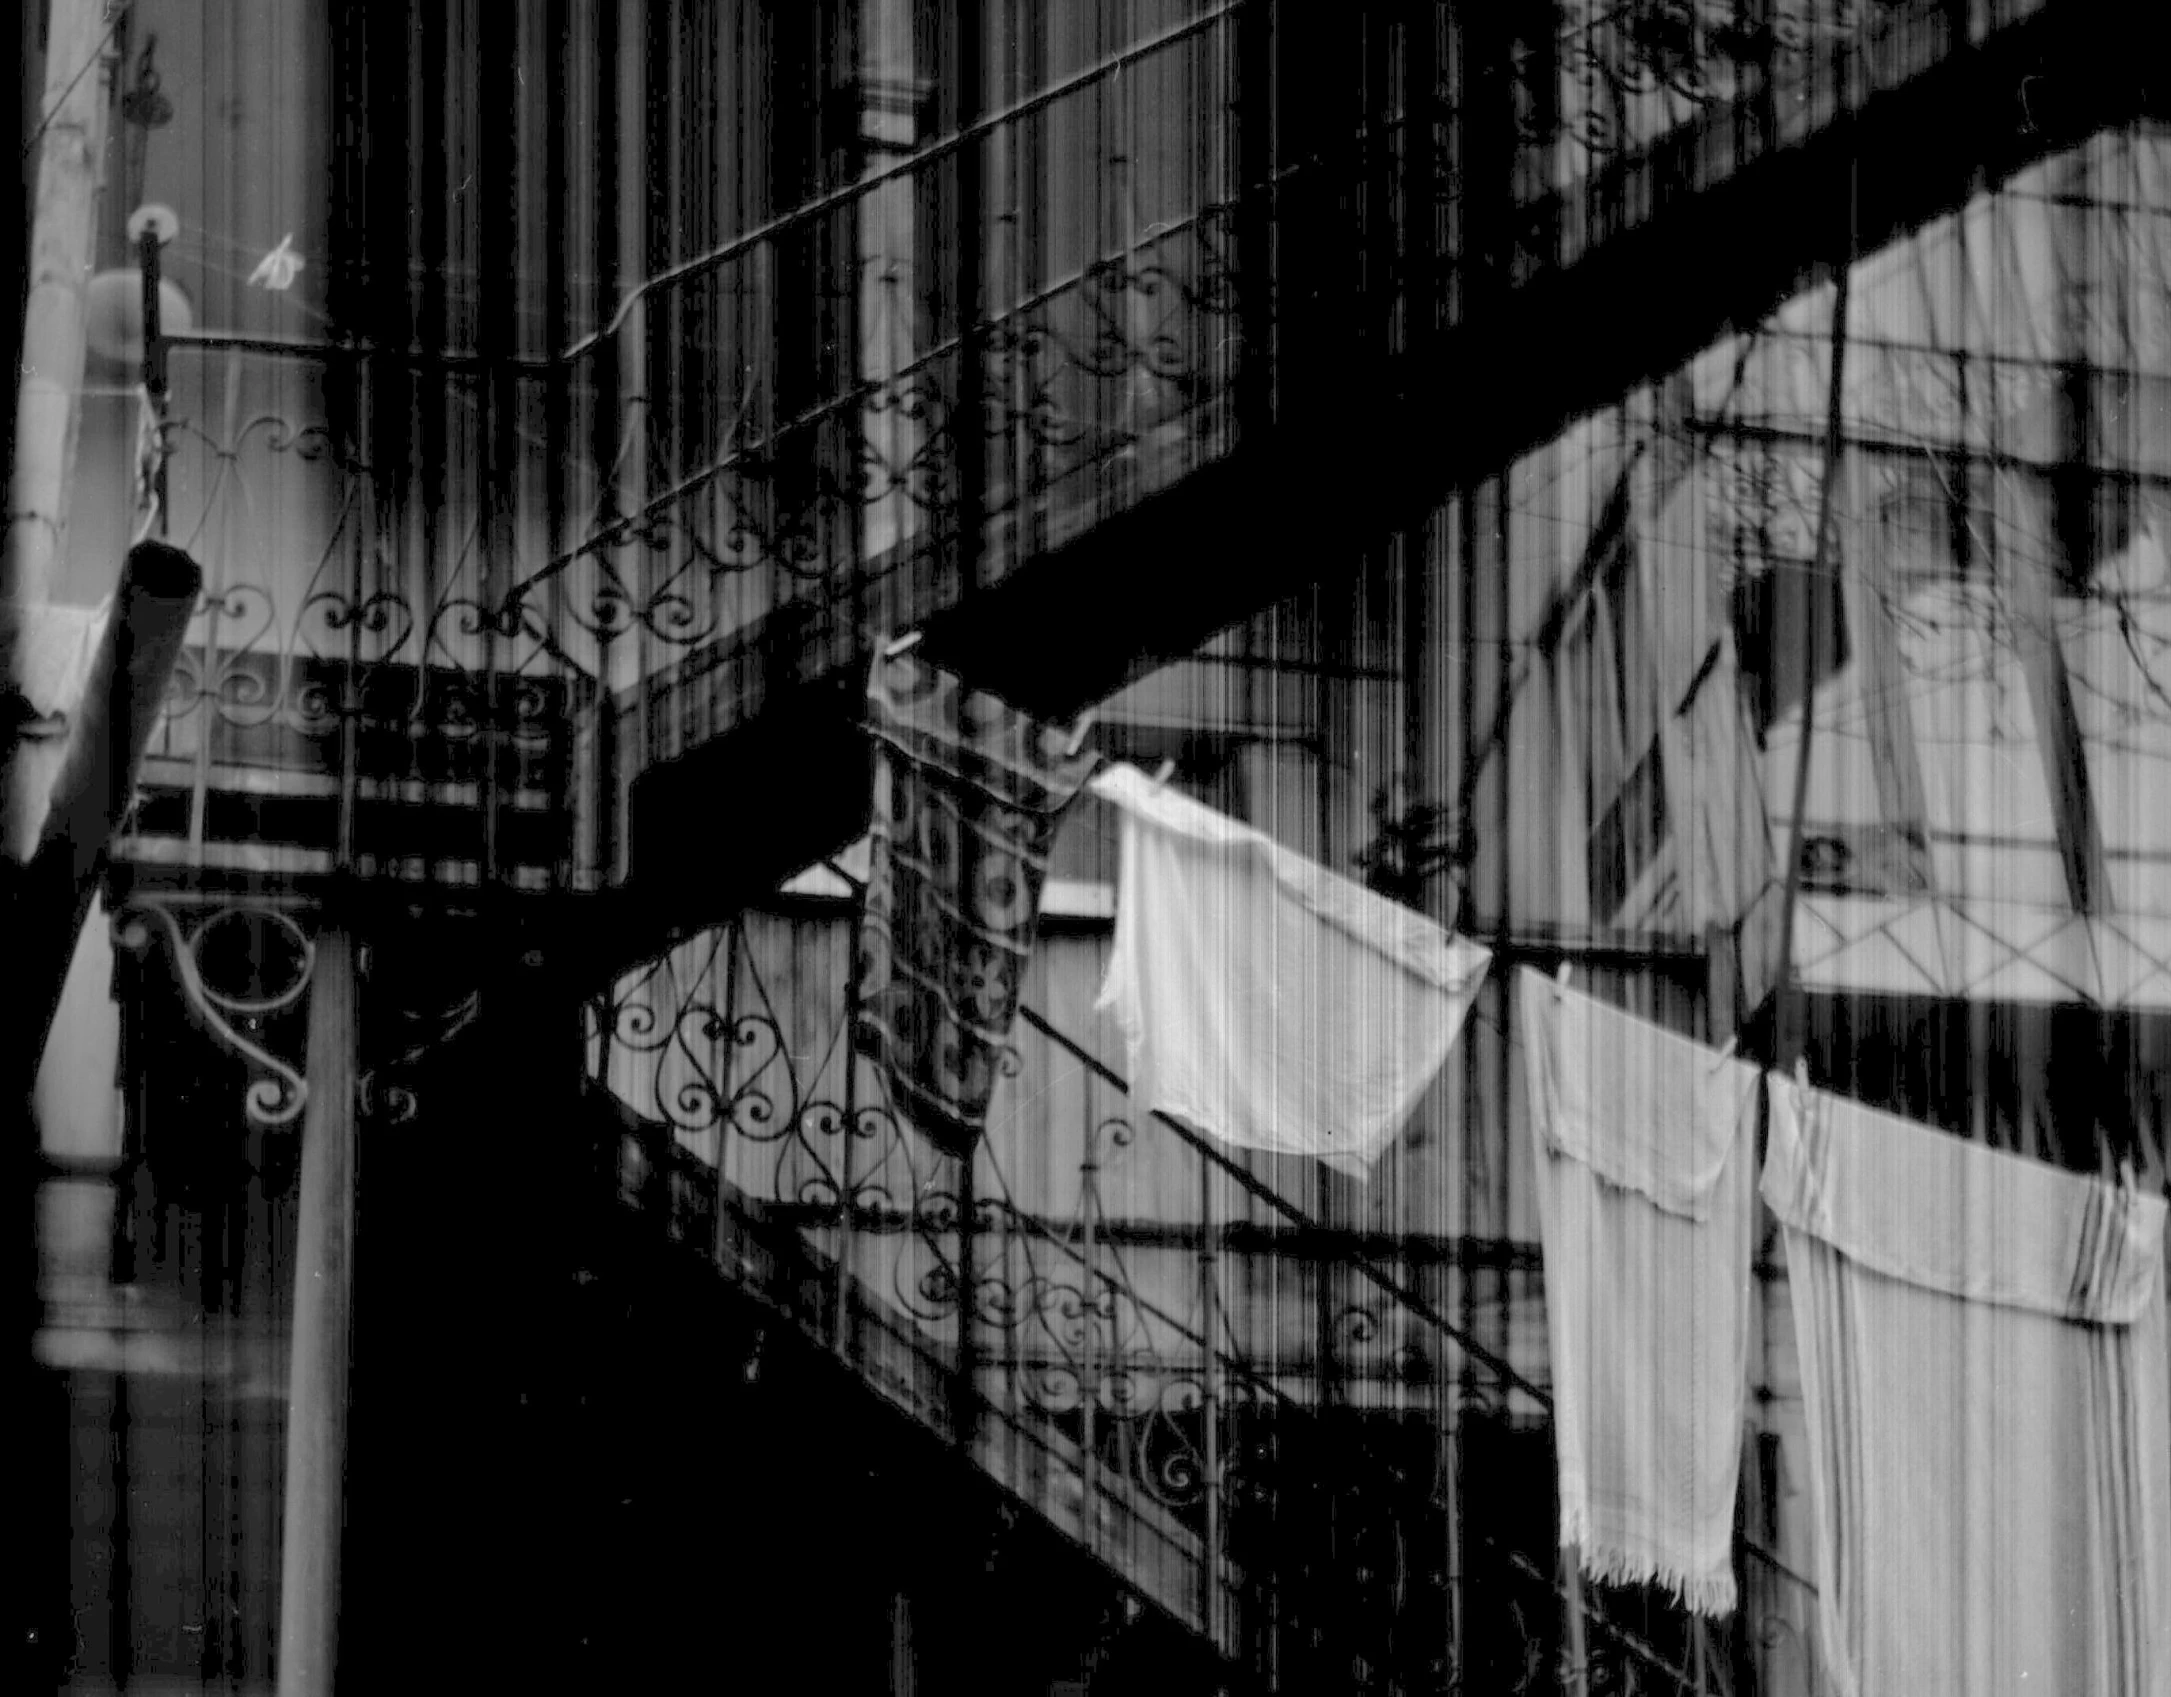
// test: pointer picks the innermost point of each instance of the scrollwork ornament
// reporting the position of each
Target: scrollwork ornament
(277, 1093)
(385, 1100)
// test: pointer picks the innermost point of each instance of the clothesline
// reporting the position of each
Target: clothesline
(1263, 1192)
(1237, 969)
(1217, 1063)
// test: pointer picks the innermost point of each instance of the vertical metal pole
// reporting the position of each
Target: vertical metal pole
(965, 1391)
(1210, 1403)
(963, 58)
(1722, 1019)
(1451, 1490)
(121, 1645)
(969, 283)
(128, 1077)
(721, 1182)
(1791, 1007)
(214, 597)
(323, 1292)
(962, 1546)
(846, 1223)
(1575, 1680)
(901, 1680)
(1252, 111)
(632, 560)
(154, 360)
(1089, 1169)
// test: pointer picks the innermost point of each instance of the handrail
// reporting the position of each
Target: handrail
(1372, 1270)
(1360, 1468)
(845, 193)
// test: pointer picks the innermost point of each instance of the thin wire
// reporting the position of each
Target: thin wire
(96, 53)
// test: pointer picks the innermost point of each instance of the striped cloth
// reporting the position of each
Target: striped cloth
(1645, 1207)
(1983, 1365)
(968, 793)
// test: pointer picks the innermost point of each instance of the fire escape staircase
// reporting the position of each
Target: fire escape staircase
(1347, 419)
(767, 1254)
(1299, 1540)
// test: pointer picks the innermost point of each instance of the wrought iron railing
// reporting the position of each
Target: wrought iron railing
(1277, 1432)
(1272, 1431)
(1162, 264)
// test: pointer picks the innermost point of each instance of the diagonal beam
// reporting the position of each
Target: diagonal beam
(2022, 528)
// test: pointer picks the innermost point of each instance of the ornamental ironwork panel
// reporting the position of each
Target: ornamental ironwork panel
(1283, 1440)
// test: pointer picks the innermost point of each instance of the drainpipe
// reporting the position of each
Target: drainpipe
(46, 885)
(61, 785)
(72, 139)
(45, 894)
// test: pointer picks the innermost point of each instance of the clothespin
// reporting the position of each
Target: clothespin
(901, 645)
(1078, 733)
(1801, 1088)
(1726, 1052)
(1560, 978)
(277, 268)
(1161, 776)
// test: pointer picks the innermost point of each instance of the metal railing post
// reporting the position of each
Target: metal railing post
(846, 1223)
(323, 1289)
(1089, 1472)
(1210, 1610)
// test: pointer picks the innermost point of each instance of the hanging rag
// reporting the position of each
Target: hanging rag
(968, 792)
(1983, 1366)
(1644, 1174)
(1264, 999)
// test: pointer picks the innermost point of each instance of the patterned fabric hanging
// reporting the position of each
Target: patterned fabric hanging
(968, 792)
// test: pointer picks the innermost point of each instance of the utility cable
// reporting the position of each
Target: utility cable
(97, 53)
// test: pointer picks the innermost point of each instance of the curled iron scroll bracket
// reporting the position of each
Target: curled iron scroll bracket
(277, 1092)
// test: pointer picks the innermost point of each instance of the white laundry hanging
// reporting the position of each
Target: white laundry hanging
(1982, 1343)
(1644, 1171)
(1267, 1001)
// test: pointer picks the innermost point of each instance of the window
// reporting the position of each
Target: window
(1614, 713)
(1789, 622)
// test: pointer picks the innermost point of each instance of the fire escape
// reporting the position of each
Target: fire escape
(1063, 352)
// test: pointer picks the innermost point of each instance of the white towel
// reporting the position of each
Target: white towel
(1265, 1000)
(1644, 1203)
(1982, 1356)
